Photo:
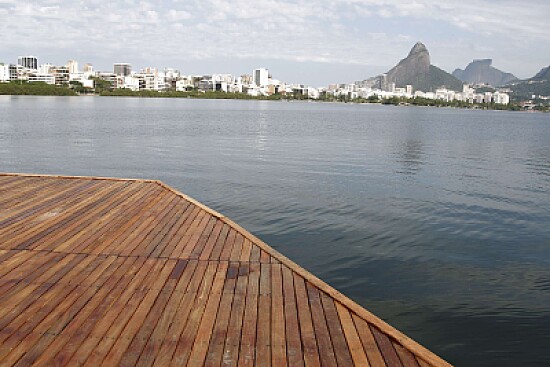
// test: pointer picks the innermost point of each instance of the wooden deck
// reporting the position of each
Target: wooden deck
(106, 272)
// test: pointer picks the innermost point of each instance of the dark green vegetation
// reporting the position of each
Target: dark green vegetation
(526, 89)
(537, 86)
(34, 89)
(191, 94)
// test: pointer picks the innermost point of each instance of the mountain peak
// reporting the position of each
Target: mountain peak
(481, 71)
(419, 47)
(486, 62)
(416, 70)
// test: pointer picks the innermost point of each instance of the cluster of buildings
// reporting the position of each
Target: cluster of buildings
(259, 83)
(380, 89)
(28, 69)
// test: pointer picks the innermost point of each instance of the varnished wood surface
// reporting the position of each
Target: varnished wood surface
(108, 272)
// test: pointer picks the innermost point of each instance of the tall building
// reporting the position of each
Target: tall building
(88, 68)
(122, 69)
(4, 73)
(29, 62)
(72, 65)
(260, 76)
(45, 68)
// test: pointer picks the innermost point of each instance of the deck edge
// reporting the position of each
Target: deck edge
(413, 346)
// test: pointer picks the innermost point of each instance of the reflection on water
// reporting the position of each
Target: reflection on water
(411, 157)
(434, 219)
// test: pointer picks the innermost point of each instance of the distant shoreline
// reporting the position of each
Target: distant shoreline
(13, 89)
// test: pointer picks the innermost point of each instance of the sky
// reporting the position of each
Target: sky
(312, 42)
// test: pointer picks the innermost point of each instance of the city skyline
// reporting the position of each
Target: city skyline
(327, 43)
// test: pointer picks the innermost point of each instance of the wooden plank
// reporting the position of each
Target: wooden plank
(27, 238)
(423, 363)
(309, 342)
(36, 264)
(50, 335)
(25, 221)
(163, 216)
(247, 352)
(263, 335)
(247, 248)
(228, 245)
(209, 246)
(179, 229)
(233, 336)
(386, 348)
(171, 339)
(217, 340)
(18, 216)
(39, 316)
(343, 356)
(278, 332)
(293, 339)
(13, 307)
(119, 348)
(156, 246)
(406, 357)
(237, 248)
(80, 223)
(218, 246)
(108, 329)
(203, 239)
(265, 258)
(140, 339)
(187, 337)
(369, 343)
(131, 245)
(355, 346)
(82, 325)
(113, 242)
(190, 239)
(255, 253)
(108, 224)
(183, 279)
(205, 329)
(322, 334)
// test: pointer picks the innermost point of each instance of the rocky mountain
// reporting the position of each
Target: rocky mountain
(481, 71)
(544, 74)
(417, 70)
(539, 85)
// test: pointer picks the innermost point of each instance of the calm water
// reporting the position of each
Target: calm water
(436, 220)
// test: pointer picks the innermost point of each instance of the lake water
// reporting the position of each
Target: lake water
(436, 220)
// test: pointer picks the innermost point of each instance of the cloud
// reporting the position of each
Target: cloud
(369, 32)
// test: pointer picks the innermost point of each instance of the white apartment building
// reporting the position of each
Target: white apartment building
(184, 83)
(4, 73)
(72, 65)
(129, 82)
(501, 98)
(260, 77)
(45, 69)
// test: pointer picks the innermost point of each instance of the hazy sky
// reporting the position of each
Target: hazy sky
(314, 42)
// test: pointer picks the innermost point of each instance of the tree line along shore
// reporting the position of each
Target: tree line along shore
(43, 89)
